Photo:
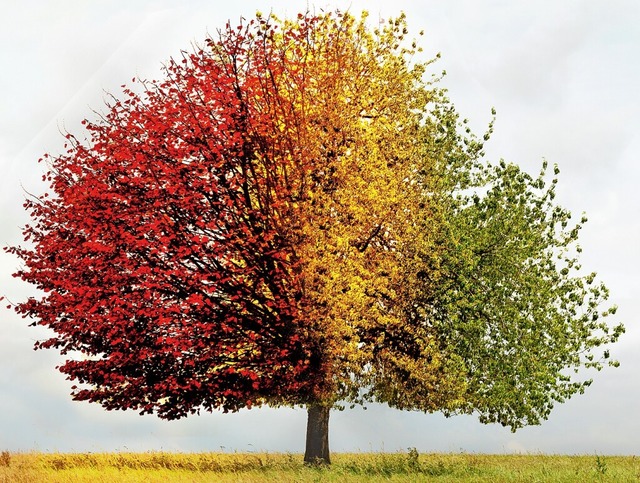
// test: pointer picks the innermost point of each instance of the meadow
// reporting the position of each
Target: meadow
(286, 468)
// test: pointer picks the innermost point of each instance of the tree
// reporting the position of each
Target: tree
(294, 216)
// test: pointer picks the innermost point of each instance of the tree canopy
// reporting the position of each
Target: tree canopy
(295, 215)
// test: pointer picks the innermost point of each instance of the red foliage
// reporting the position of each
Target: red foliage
(161, 253)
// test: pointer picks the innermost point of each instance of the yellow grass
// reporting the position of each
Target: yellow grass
(284, 468)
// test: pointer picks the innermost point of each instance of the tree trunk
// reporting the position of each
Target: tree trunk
(317, 448)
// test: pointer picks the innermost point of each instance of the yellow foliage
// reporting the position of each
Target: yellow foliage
(353, 102)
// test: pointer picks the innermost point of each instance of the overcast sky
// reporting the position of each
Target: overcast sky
(564, 78)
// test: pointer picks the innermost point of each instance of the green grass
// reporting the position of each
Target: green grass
(285, 468)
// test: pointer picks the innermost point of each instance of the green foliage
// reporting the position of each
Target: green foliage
(499, 283)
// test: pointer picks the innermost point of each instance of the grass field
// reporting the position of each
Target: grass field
(285, 468)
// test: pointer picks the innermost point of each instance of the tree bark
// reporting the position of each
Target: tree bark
(317, 447)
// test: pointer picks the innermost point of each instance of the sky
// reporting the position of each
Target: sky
(563, 78)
